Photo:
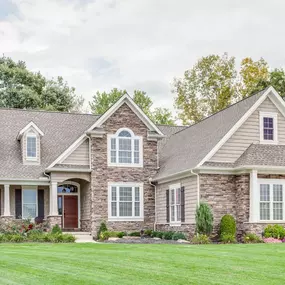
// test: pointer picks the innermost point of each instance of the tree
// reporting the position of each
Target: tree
(204, 219)
(102, 101)
(21, 88)
(206, 88)
(254, 76)
(277, 80)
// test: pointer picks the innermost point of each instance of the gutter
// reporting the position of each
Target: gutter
(82, 170)
(198, 186)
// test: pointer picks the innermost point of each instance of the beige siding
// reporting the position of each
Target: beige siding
(1, 200)
(80, 156)
(190, 184)
(249, 133)
(85, 200)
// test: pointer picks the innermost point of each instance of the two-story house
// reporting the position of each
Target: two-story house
(78, 170)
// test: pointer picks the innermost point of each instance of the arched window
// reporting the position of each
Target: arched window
(125, 149)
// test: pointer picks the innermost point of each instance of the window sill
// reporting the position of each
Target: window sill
(268, 142)
(139, 219)
(266, 222)
(175, 224)
(124, 165)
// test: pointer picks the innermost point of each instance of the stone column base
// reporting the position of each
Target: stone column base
(6, 219)
(54, 220)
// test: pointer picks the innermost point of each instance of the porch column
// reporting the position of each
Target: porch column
(53, 199)
(253, 197)
(7, 200)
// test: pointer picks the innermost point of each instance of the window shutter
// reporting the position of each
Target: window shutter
(41, 204)
(18, 203)
(182, 204)
(167, 207)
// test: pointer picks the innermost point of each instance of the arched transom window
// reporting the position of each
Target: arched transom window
(125, 149)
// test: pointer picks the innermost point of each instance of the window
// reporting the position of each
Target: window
(175, 203)
(125, 149)
(125, 201)
(268, 127)
(29, 203)
(271, 202)
(31, 146)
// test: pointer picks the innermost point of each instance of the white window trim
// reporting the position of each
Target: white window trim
(175, 222)
(29, 188)
(31, 158)
(124, 184)
(109, 137)
(275, 126)
(257, 200)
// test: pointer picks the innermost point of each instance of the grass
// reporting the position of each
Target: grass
(141, 264)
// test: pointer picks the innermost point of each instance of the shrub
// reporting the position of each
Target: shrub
(252, 238)
(177, 236)
(102, 228)
(228, 226)
(204, 219)
(157, 234)
(272, 240)
(276, 231)
(148, 232)
(168, 235)
(134, 234)
(228, 238)
(56, 230)
(107, 234)
(200, 239)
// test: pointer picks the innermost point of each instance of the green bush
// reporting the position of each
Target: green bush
(228, 226)
(102, 228)
(228, 238)
(252, 238)
(148, 232)
(204, 219)
(177, 236)
(276, 231)
(134, 234)
(200, 239)
(56, 230)
(168, 235)
(107, 234)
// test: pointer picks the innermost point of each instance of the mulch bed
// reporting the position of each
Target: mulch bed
(143, 241)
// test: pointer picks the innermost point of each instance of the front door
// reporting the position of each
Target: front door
(70, 212)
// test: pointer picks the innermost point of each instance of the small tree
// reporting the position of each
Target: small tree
(204, 219)
(228, 225)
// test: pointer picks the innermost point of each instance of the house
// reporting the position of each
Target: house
(78, 170)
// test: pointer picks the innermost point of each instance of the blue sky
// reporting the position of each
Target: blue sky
(134, 44)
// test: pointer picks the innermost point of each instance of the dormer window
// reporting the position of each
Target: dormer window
(31, 145)
(268, 128)
(125, 149)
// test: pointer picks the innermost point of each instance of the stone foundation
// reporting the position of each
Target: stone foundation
(54, 220)
(85, 225)
(6, 219)
(188, 229)
(256, 228)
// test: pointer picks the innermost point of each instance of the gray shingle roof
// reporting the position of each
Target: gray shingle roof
(186, 148)
(60, 131)
(262, 154)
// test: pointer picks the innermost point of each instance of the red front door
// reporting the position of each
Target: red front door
(70, 213)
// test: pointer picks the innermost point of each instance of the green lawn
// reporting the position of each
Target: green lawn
(141, 264)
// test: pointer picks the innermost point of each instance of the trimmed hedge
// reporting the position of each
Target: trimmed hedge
(228, 226)
(276, 231)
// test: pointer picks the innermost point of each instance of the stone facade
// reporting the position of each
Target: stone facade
(184, 228)
(54, 220)
(101, 174)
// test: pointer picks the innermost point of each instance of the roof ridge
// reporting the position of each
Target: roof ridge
(47, 111)
(262, 91)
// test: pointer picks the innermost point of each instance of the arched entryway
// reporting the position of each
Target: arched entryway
(68, 201)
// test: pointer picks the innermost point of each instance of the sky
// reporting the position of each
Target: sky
(137, 44)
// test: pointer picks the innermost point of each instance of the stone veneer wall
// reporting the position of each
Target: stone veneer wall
(102, 174)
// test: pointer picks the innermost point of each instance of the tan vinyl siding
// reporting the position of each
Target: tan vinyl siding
(190, 184)
(249, 133)
(85, 200)
(79, 156)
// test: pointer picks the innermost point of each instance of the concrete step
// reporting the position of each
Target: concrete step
(78, 233)
(82, 237)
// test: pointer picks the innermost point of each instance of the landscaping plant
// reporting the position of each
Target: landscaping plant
(228, 229)
(102, 228)
(276, 231)
(204, 219)
(252, 238)
(200, 239)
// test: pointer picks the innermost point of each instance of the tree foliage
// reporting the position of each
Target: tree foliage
(204, 219)
(21, 88)
(102, 101)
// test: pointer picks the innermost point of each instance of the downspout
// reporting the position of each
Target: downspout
(155, 220)
(198, 186)
(89, 150)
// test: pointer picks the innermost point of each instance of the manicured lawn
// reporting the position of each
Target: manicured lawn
(141, 264)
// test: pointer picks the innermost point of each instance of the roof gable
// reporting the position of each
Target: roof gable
(30, 125)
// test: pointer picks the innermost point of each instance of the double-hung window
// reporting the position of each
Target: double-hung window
(125, 149)
(125, 201)
(268, 127)
(31, 146)
(271, 201)
(175, 203)
(29, 204)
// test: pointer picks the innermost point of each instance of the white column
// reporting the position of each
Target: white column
(53, 210)
(253, 197)
(7, 200)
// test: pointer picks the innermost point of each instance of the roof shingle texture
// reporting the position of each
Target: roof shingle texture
(185, 149)
(60, 131)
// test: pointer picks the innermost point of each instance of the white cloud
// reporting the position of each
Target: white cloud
(97, 45)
